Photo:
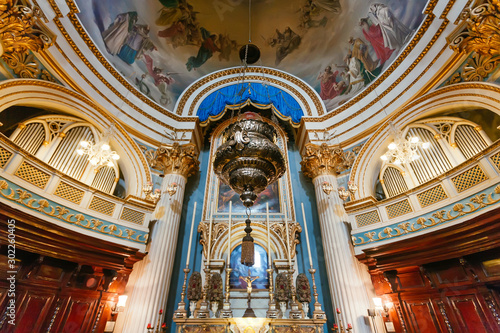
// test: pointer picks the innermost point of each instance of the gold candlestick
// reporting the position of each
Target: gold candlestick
(226, 311)
(318, 313)
(181, 311)
(203, 311)
(273, 312)
(295, 313)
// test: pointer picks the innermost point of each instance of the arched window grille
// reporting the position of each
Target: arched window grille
(433, 161)
(394, 182)
(31, 137)
(469, 141)
(65, 158)
(104, 179)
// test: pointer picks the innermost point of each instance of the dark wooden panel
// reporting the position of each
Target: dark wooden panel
(470, 314)
(32, 310)
(410, 280)
(423, 317)
(79, 315)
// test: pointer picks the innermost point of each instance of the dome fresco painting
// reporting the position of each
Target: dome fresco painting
(162, 46)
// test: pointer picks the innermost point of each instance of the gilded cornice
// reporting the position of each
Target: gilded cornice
(86, 102)
(174, 159)
(325, 160)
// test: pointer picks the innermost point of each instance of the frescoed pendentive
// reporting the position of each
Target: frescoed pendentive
(337, 46)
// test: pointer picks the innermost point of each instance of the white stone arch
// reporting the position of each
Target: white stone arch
(38, 93)
(366, 168)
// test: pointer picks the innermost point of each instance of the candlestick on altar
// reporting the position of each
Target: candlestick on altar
(307, 236)
(269, 263)
(181, 311)
(209, 244)
(226, 311)
(229, 236)
(318, 313)
(203, 311)
(191, 236)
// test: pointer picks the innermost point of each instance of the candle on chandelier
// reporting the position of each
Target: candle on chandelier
(338, 310)
(229, 235)
(307, 236)
(149, 327)
(161, 311)
(268, 237)
(210, 234)
(349, 326)
(191, 236)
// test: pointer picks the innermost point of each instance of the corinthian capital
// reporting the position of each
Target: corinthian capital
(325, 160)
(481, 29)
(175, 159)
(20, 28)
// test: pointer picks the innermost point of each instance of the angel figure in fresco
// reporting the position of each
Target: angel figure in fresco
(115, 35)
(393, 31)
(328, 83)
(207, 48)
(226, 46)
(285, 43)
(373, 35)
(161, 81)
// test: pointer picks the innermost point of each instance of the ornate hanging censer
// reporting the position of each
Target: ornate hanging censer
(248, 161)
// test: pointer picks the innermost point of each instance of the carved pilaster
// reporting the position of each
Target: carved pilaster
(22, 31)
(325, 160)
(174, 159)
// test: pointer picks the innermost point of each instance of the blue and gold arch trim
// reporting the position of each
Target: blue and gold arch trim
(214, 106)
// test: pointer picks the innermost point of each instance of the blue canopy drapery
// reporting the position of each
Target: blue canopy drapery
(215, 104)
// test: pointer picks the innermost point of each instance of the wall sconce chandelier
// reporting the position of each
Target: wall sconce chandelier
(150, 194)
(401, 150)
(99, 153)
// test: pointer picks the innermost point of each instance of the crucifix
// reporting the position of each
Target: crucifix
(249, 279)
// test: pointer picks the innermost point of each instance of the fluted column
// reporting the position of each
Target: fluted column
(348, 291)
(153, 278)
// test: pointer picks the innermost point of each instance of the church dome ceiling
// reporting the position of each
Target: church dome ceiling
(338, 47)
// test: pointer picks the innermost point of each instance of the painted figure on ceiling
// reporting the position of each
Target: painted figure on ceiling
(136, 43)
(355, 76)
(393, 31)
(162, 81)
(285, 43)
(360, 52)
(207, 48)
(373, 35)
(115, 35)
(328, 82)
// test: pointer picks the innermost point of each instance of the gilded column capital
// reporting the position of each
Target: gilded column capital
(480, 34)
(174, 159)
(325, 160)
(22, 31)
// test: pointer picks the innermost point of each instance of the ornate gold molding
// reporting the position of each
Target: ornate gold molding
(174, 159)
(481, 33)
(23, 197)
(22, 32)
(325, 160)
